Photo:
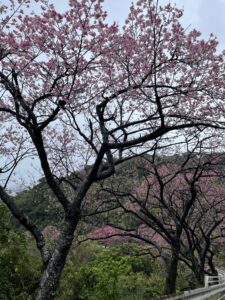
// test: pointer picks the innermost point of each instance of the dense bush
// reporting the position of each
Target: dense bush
(19, 262)
(108, 274)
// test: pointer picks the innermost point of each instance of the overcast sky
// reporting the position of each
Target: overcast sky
(207, 16)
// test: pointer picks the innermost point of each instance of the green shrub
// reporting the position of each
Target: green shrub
(109, 274)
(20, 265)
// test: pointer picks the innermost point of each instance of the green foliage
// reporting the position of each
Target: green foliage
(108, 274)
(40, 205)
(184, 278)
(91, 272)
(19, 263)
(220, 256)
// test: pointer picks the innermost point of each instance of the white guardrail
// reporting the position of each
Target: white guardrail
(214, 285)
(204, 293)
(212, 280)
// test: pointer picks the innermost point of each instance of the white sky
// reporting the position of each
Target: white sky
(207, 16)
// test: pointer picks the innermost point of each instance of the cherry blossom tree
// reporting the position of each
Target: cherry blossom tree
(180, 207)
(204, 231)
(78, 93)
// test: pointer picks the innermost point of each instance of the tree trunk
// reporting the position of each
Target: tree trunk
(199, 275)
(50, 278)
(198, 270)
(171, 273)
(212, 266)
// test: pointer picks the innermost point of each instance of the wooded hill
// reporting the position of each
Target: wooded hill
(173, 206)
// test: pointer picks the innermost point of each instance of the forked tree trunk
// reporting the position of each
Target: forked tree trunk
(171, 273)
(50, 278)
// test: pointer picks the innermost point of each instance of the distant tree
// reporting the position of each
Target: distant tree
(77, 93)
(204, 231)
(179, 204)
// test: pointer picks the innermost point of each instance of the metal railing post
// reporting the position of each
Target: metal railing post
(206, 279)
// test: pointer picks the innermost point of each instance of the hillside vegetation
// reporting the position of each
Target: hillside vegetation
(106, 269)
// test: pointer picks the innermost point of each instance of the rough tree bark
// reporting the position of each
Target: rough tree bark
(50, 278)
(171, 272)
